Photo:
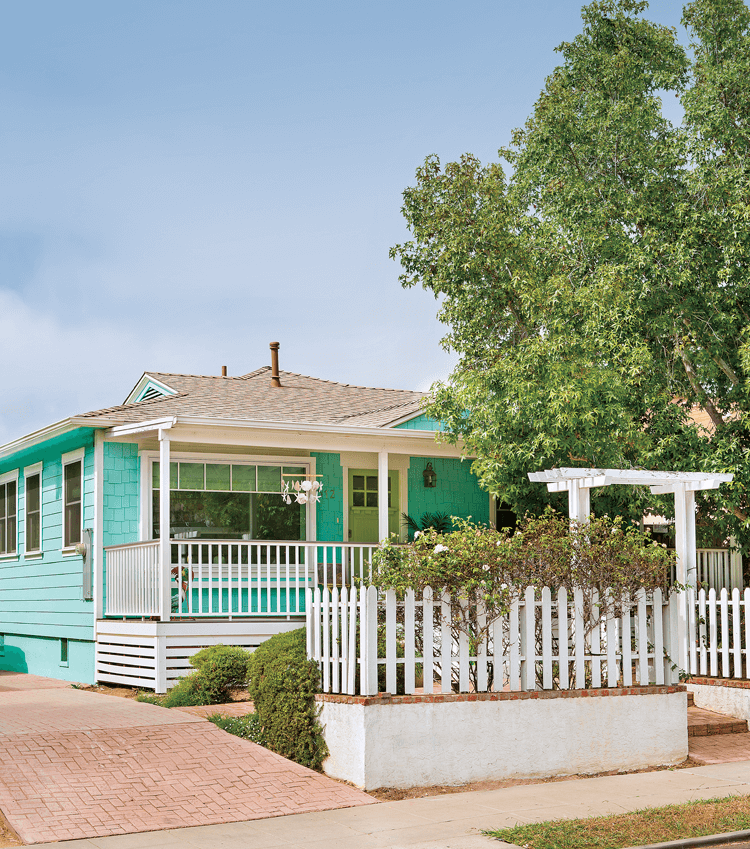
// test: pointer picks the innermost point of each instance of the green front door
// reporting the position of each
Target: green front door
(363, 505)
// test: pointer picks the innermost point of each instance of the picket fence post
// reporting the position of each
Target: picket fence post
(428, 657)
(409, 643)
(390, 641)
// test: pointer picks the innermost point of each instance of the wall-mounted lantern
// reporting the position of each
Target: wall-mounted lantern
(429, 476)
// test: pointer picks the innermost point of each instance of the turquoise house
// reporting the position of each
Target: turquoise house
(277, 482)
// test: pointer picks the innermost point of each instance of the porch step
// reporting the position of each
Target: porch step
(706, 723)
(691, 699)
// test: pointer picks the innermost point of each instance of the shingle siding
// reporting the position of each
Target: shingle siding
(329, 510)
(457, 491)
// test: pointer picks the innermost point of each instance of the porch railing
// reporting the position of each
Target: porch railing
(132, 579)
(227, 578)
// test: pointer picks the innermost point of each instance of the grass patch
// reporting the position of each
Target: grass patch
(652, 825)
(248, 727)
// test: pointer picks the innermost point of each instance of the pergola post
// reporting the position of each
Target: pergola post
(579, 502)
(684, 526)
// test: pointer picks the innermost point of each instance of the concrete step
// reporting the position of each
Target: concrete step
(706, 723)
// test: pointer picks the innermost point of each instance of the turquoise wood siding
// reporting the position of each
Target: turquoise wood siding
(422, 422)
(41, 600)
(456, 492)
(330, 508)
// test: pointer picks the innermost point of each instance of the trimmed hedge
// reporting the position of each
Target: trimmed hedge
(283, 683)
(218, 670)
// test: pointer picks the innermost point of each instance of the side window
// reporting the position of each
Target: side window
(33, 509)
(8, 512)
(72, 501)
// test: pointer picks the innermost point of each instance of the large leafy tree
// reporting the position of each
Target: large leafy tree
(597, 289)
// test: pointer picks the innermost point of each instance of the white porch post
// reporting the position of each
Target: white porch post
(382, 495)
(165, 548)
(98, 546)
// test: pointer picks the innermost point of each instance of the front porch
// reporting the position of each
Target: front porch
(236, 592)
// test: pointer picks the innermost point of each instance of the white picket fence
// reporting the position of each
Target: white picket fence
(719, 568)
(718, 633)
(542, 643)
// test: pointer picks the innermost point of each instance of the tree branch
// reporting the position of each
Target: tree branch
(706, 402)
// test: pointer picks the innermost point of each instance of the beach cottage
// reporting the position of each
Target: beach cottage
(198, 512)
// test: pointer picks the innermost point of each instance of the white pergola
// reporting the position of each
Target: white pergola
(684, 485)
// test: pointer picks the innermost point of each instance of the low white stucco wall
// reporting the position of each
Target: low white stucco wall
(414, 741)
(722, 696)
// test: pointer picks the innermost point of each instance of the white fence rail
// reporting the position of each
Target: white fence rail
(227, 578)
(367, 641)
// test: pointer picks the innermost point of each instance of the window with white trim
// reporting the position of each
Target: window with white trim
(72, 498)
(9, 513)
(229, 500)
(33, 509)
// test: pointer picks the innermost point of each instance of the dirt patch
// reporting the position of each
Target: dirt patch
(237, 695)
(392, 794)
(8, 837)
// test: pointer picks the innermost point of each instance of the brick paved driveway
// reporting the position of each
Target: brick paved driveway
(77, 764)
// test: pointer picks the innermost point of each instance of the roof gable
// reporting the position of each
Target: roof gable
(148, 389)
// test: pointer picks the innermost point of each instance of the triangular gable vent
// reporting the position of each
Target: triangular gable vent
(148, 389)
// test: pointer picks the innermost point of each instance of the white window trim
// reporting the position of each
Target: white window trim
(149, 457)
(28, 472)
(68, 458)
(8, 477)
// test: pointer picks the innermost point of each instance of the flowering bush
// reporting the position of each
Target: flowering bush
(484, 571)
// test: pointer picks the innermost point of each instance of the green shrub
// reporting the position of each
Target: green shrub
(247, 727)
(283, 683)
(218, 670)
(223, 667)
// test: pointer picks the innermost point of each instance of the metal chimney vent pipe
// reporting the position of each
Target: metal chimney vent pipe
(275, 379)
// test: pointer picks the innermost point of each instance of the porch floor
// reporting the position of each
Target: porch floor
(76, 764)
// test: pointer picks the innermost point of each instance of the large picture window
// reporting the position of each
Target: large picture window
(33, 509)
(72, 501)
(228, 501)
(8, 513)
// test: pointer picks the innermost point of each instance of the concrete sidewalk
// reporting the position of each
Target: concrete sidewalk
(449, 822)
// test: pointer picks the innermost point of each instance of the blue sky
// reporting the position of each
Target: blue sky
(185, 182)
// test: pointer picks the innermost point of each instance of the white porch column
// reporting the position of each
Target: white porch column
(382, 495)
(165, 548)
(98, 545)
(579, 501)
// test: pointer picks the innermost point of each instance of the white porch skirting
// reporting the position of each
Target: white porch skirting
(412, 741)
(153, 655)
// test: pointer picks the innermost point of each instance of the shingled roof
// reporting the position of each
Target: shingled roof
(251, 397)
